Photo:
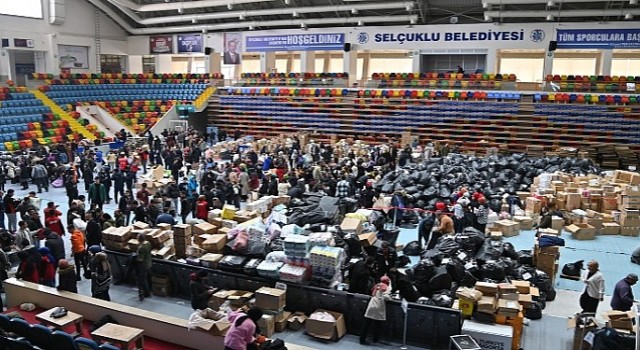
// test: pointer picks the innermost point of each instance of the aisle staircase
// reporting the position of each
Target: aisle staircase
(73, 123)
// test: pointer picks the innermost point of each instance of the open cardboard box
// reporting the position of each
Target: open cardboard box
(215, 324)
(619, 319)
(325, 329)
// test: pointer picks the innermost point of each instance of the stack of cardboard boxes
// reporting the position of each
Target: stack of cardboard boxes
(272, 301)
(182, 238)
(546, 258)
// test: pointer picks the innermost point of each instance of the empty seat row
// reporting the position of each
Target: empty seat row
(126, 86)
(20, 103)
(587, 98)
(442, 75)
(15, 111)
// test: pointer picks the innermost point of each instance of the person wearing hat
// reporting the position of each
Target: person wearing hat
(67, 277)
(622, 298)
(200, 292)
(376, 312)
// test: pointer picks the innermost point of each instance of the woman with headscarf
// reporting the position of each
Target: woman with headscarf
(376, 310)
(52, 219)
(100, 273)
(243, 329)
(200, 292)
(47, 267)
(202, 208)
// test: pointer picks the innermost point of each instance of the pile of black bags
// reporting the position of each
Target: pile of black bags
(436, 180)
(466, 258)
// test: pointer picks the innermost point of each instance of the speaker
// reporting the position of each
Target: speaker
(553, 45)
(5, 42)
(347, 47)
(208, 51)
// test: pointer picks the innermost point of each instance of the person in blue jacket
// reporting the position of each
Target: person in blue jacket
(622, 298)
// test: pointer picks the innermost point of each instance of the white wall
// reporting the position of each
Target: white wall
(78, 29)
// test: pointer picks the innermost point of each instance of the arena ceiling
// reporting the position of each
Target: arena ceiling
(176, 16)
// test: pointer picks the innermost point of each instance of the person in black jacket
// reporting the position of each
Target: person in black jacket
(93, 232)
(55, 244)
(360, 275)
(72, 188)
(118, 184)
(386, 258)
(124, 204)
(185, 206)
(139, 212)
(200, 292)
(401, 283)
(129, 179)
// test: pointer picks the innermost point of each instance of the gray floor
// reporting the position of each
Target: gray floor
(548, 333)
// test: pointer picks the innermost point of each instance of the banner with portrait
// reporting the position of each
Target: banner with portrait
(232, 48)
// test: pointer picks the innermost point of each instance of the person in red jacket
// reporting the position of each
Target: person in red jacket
(123, 162)
(28, 267)
(52, 219)
(202, 208)
(47, 267)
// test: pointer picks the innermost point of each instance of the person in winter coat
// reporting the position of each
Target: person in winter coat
(71, 186)
(202, 208)
(376, 310)
(47, 267)
(185, 206)
(93, 232)
(97, 193)
(594, 288)
(67, 277)
(482, 215)
(124, 204)
(55, 244)
(52, 218)
(243, 329)
(100, 274)
(118, 179)
(143, 267)
(360, 275)
(386, 258)
(403, 285)
(28, 269)
(200, 292)
(40, 177)
(78, 251)
(622, 298)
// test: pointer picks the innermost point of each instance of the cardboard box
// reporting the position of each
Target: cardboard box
(215, 243)
(267, 325)
(466, 306)
(228, 212)
(509, 308)
(495, 235)
(619, 319)
(525, 300)
(210, 260)
(507, 288)
(139, 225)
(296, 321)
(487, 304)
(573, 200)
(271, 298)
(281, 325)
(629, 222)
(327, 330)
(610, 228)
(204, 228)
(596, 223)
(182, 230)
(508, 228)
(581, 231)
(487, 288)
(629, 231)
(468, 293)
(549, 231)
(526, 223)
(535, 292)
(229, 223)
(236, 298)
(217, 222)
(199, 239)
(351, 225)
(533, 204)
(164, 227)
(214, 325)
(523, 287)
(544, 260)
(368, 239)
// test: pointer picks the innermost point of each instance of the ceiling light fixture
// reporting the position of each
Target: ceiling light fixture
(628, 16)
(241, 17)
(486, 5)
(303, 25)
(633, 2)
(412, 21)
(550, 18)
(488, 18)
(354, 11)
(551, 3)
(194, 20)
(204, 30)
(180, 10)
(251, 27)
(230, 6)
(409, 7)
(360, 23)
(287, 2)
(295, 14)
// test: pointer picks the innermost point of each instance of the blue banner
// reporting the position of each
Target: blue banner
(295, 42)
(189, 43)
(599, 38)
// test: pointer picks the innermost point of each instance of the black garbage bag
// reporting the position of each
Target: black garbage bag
(430, 192)
(470, 239)
(495, 204)
(423, 271)
(525, 257)
(551, 294)
(511, 267)
(542, 300)
(573, 269)
(635, 256)
(455, 269)
(468, 280)
(534, 311)
(411, 190)
(403, 261)
(277, 244)
(440, 279)
(493, 270)
(447, 245)
(525, 272)
(444, 192)
(411, 249)
(509, 251)
(542, 281)
(387, 187)
(441, 298)
(490, 250)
